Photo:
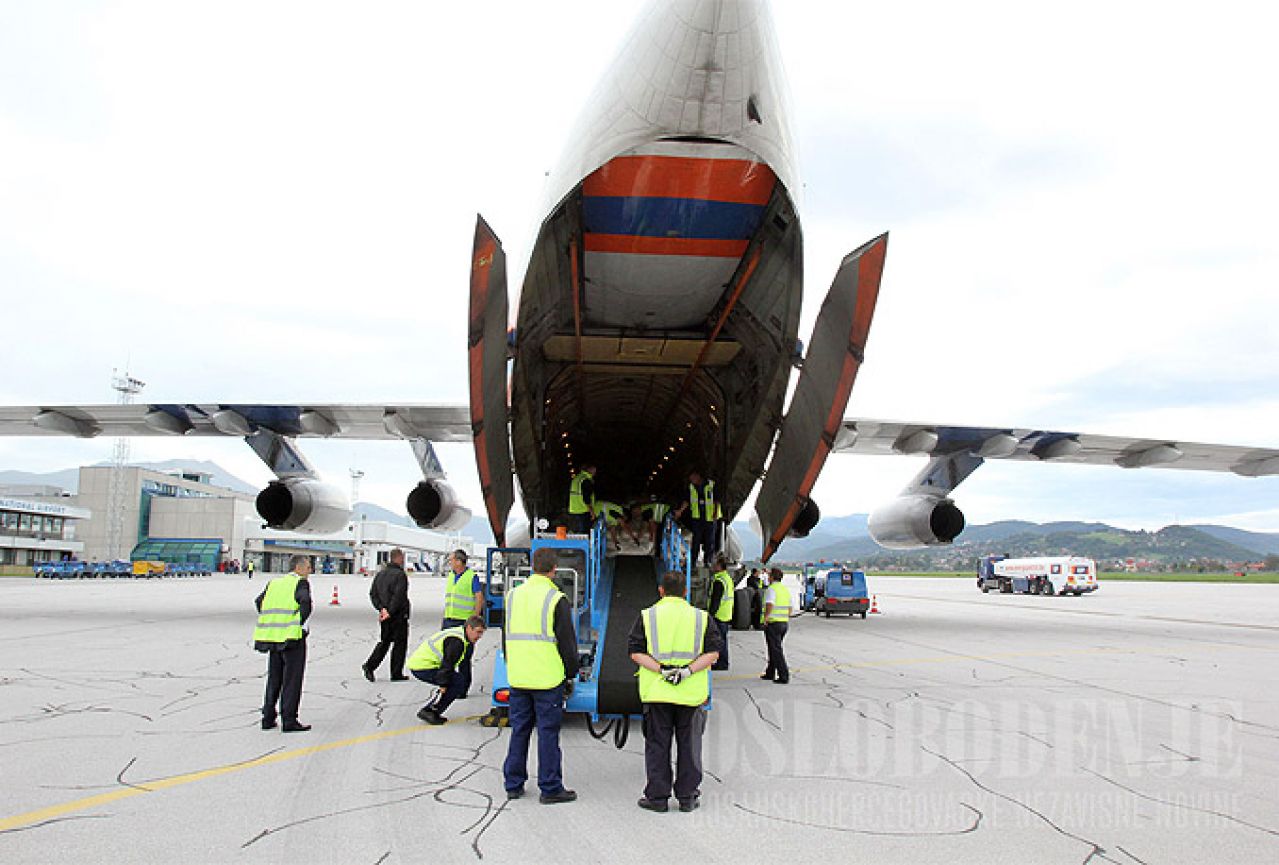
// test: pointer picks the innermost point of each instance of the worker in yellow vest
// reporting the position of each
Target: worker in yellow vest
(721, 607)
(438, 660)
(283, 608)
(674, 645)
(581, 501)
(776, 618)
(700, 508)
(463, 598)
(540, 648)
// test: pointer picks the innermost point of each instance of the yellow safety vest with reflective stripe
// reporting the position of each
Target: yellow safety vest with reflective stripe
(533, 659)
(696, 503)
(675, 634)
(430, 655)
(459, 600)
(577, 503)
(724, 612)
(660, 511)
(612, 513)
(781, 603)
(280, 618)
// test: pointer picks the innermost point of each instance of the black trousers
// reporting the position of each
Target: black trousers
(724, 628)
(395, 636)
(464, 668)
(704, 538)
(685, 724)
(774, 633)
(284, 670)
(448, 684)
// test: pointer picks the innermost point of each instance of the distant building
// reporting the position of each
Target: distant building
(181, 517)
(38, 531)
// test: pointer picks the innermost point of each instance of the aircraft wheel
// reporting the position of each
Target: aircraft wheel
(863, 615)
(1047, 589)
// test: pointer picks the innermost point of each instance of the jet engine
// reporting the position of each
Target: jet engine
(434, 505)
(914, 521)
(807, 520)
(300, 504)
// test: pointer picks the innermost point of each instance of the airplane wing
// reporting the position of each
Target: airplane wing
(436, 423)
(867, 436)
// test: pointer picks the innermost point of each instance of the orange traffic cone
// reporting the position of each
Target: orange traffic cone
(874, 602)
(335, 602)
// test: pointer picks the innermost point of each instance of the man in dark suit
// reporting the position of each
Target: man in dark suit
(390, 596)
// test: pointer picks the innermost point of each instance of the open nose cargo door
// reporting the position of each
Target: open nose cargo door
(808, 431)
(487, 355)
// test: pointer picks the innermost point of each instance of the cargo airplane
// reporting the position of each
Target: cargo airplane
(656, 330)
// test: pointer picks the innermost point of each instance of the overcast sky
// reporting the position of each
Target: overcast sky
(265, 202)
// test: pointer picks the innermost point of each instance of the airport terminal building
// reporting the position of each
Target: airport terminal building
(181, 516)
(34, 531)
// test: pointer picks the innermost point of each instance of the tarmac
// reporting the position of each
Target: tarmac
(1136, 725)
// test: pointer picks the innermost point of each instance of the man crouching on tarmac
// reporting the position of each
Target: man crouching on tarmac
(437, 661)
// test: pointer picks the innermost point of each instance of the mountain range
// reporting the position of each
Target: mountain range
(847, 539)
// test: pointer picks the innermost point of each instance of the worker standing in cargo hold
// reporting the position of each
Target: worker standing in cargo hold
(463, 598)
(776, 619)
(283, 608)
(540, 648)
(581, 500)
(700, 508)
(721, 608)
(674, 645)
(437, 661)
(390, 597)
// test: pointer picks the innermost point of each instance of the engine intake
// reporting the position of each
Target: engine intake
(434, 505)
(911, 522)
(809, 516)
(302, 505)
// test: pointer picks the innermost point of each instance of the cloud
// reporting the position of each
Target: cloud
(275, 202)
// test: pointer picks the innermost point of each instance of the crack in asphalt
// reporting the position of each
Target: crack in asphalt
(978, 816)
(1096, 851)
(759, 711)
(436, 789)
(1223, 815)
(1130, 856)
(53, 820)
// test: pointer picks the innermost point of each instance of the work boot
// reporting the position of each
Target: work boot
(556, 798)
(368, 673)
(430, 716)
(296, 727)
(687, 805)
(659, 805)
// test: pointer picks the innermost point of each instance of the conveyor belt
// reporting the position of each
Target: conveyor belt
(634, 588)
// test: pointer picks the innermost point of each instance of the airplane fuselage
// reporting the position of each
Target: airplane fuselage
(658, 317)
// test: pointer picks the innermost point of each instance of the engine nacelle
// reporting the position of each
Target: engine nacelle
(910, 522)
(303, 505)
(434, 505)
(809, 516)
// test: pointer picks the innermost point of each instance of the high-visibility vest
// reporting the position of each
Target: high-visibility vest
(660, 511)
(703, 504)
(459, 600)
(280, 618)
(577, 503)
(781, 603)
(533, 659)
(724, 612)
(430, 655)
(675, 634)
(612, 512)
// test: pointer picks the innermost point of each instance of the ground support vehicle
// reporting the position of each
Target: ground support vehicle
(606, 594)
(834, 590)
(1051, 575)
